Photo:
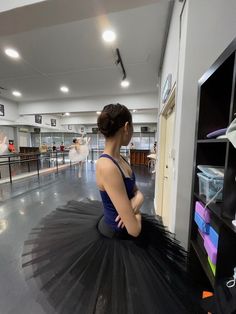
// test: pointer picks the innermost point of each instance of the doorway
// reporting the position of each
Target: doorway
(164, 177)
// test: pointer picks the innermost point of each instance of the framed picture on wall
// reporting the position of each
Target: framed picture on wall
(2, 110)
(53, 122)
(166, 88)
(38, 119)
(82, 130)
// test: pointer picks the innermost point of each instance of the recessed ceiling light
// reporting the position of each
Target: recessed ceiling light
(98, 112)
(12, 53)
(67, 114)
(125, 83)
(109, 36)
(16, 93)
(134, 110)
(64, 89)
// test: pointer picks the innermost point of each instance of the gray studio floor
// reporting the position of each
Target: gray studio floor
(24, 204)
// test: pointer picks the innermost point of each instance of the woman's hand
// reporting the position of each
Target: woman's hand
(120, 222)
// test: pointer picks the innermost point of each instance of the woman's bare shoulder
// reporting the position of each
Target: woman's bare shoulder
(105, 165)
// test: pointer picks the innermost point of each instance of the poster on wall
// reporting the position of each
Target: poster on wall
(38, 119)
(82, 130)
(53, 122)
(166, 88)
(2, 110)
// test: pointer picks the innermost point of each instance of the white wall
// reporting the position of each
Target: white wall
(136, 101)
(8, 132)
(11, 111)
(88, 119)
(46, 122)
(208, 28)
(170, 62)
(152, 127)
(137, 128)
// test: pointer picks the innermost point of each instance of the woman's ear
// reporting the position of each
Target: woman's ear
(126, 127)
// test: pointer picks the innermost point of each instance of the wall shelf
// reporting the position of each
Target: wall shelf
(214, 140)
(204, 263)
(217, 209)
(216, 110)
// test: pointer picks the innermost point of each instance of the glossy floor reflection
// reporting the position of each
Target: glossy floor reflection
(24, 204)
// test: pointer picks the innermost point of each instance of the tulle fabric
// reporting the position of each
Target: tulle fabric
(3, 149)
(76, 155)
(80, 270)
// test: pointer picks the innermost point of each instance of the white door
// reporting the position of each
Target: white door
(168, 168)
(24, 139)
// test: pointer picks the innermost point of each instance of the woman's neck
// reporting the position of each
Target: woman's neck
(112, 148)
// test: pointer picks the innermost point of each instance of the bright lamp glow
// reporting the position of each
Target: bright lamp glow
(16, 93)
(67, 114)
(134, 110)
(98, 112)
(125, 83)
(109, 36)
(64, 89)
(12, 53)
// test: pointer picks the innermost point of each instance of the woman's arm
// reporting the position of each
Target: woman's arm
(88, 140)
(137, 201)
(113, 183)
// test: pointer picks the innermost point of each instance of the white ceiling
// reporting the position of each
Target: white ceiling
(6, 5)
(61, 46)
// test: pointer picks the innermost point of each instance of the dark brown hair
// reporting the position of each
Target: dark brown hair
(112, 118)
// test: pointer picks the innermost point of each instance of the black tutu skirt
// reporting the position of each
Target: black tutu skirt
(81, 266)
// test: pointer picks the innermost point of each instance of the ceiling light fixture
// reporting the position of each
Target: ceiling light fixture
(119, 61)
(12, 53)
(16, 93)
(125, 83)
(64, 89)
(109, 36)
(67, 114)
(98, 112)
(134, 110)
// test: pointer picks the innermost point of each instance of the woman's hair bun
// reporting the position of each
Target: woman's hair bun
(112, 118)
(105, 123)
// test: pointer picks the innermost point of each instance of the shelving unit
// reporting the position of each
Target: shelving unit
(216, 110)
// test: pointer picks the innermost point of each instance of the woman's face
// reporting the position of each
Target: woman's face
(128, 133)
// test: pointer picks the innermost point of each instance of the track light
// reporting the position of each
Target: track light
(119, 61)
(64, 89)
(125, 83)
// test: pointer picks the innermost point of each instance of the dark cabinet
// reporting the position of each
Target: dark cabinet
(216, 110)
